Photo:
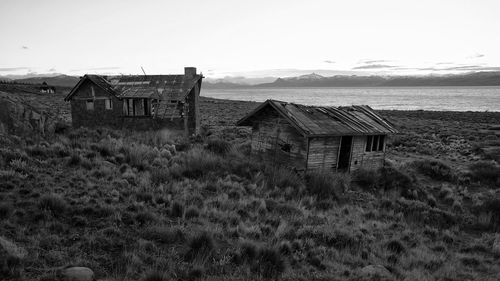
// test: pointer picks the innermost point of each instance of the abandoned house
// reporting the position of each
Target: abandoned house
(47, 89)
(317, 137)
(138, 101)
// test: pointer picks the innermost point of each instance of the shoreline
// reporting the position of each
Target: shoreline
(208, 99)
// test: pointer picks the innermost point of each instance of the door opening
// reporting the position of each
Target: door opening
(344, 158)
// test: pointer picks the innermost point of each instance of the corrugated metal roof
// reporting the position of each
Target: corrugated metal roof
(165, 87)
(328, 120)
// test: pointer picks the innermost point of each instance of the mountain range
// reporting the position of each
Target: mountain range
(316, 80)
(309, 80)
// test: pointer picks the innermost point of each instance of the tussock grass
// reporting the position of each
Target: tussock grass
(326, 185)
(434, 169)
(135, 203)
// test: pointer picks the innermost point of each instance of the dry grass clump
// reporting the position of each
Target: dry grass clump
(165, 235)
(196, 163)
(155, 276)
(486, 172)
(282, 177)
(434, 169)
(326, 185)
(54, 203)
(201, 248)
(219, 146)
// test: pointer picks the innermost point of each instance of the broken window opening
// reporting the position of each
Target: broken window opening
(90, 104)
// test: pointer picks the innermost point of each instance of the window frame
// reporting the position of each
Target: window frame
(90, 104)
(108, 104)
(375, 143)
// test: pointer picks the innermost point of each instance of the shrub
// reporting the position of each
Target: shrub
(366, 179)
(5, 210)
(434, 169)
(192, 212)
(74, 159)
(491, 208)
(144, 197)
(53, 203)
(219, 146)
(270, 264)
(155, 276)
(159, 175)
(164, 235)
(396, 246)
(326, 184)
(200, 247)
(248, 251)
(197, 163)
(177, 210)
(485, 171)
(282, 177)
(393, 179)
(145, 217)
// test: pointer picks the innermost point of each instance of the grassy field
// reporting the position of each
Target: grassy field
(154, 206)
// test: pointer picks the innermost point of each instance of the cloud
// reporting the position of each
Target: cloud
(4, 69)
(476, 68)
(476, 56)
(328, 61)
(24, 47)
(373, 61)
(374, 66)
(96, 68)
(52, 70)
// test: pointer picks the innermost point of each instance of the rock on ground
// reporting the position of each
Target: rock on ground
(375, 272)
(78, 274)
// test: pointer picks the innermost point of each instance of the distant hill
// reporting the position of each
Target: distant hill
(315, 80)
(60, 80)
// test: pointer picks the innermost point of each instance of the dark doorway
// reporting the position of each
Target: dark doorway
(344, 153)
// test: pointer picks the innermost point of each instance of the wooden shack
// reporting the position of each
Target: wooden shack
(318, 137)
(139, 102)
(46, 88)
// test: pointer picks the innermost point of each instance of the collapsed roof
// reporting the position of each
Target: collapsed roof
(327, 120)
(164, 87)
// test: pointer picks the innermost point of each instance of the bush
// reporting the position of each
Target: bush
(200, 247)
(282, 177)
(248, 251)
(53, 203)
(219, 146)
(324, 184)
(485, 171)
(155, 276)
(5, 211)
(366, 179)
(391, 179)
(159, 175)
(270, 264)
(434, 169)
(177, 210)
(192, 212)
(197, 163)
(146, 217)
(396, 247)
(164, 235)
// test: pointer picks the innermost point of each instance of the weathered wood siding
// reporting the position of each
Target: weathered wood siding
(277, 141)
(193, 114)
(323, 153)
(360, 158)
(99, 116)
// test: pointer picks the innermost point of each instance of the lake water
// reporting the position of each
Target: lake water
(403, 98)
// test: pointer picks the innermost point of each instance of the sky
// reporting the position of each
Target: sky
(249, 38)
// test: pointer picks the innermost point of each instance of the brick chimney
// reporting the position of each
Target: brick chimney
(189, 71)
